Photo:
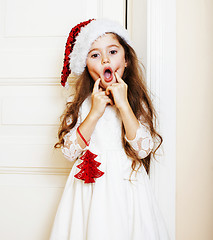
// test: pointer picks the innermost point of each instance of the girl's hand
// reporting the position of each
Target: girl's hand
(99, 100)
(119, 92)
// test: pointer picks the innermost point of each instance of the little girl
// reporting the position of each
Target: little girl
(107, 129)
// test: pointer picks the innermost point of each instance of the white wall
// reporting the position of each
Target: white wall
(194, 109)
(194, 119)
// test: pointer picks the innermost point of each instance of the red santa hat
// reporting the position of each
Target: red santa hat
(79, 43)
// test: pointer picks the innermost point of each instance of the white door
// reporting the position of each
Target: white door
(32, 174)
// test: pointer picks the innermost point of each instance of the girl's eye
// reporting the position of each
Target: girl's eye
(95, 55)
(113, 51)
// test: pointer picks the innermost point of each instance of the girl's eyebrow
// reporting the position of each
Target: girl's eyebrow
(97, 49)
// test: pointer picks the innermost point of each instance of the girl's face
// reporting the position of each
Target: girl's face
(106, 56)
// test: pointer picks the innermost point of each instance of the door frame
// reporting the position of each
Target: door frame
(161, 80)
(161, 84)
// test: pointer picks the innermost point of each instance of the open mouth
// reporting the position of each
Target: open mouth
(108, 74)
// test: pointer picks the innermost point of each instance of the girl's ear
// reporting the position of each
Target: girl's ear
(125, 63)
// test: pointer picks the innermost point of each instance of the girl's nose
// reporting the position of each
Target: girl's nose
(105, 59)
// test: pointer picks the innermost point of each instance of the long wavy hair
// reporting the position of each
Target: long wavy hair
(138, 98)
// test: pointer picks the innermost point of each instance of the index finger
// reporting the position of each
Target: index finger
(96, 85)
(119, 79)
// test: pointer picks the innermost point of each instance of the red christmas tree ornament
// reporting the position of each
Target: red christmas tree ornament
(89, 167)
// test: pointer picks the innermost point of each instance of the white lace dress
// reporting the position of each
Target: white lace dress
(112, 208)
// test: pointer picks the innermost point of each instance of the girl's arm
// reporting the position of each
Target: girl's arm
(99, 103)
(130, 122)
(71, 149)
(143, 142)
(119, 93)
(73, 143)
(137, 134)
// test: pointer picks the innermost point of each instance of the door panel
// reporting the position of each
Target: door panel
(32, 173)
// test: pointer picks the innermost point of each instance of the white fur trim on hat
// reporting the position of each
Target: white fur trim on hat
(87, 36)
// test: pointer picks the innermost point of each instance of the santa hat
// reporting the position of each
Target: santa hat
(79, 43)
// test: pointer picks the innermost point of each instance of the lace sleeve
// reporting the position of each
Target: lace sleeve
(143, 142)
(71, 148)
